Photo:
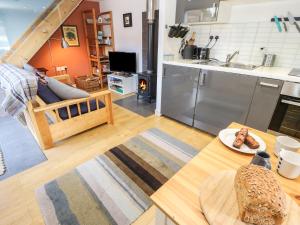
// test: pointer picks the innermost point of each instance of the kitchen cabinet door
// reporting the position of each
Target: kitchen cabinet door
(179, 90)
(266, 95)
(193, 11)
(222, 98)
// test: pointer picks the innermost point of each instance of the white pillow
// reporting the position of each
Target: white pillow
(29, 68)
(65, 91)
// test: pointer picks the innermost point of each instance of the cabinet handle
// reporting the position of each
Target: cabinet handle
(269, 85)
(202, 79)
(164, 72)
(290, 102)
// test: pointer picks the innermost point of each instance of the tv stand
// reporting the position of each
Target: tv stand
(124, 74)
(122, 84)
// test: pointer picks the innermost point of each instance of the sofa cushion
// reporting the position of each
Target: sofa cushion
(65, 91)
(63, 113)
(29, 68)
(46, 94)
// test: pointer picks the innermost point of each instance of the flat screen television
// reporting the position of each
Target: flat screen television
(122, 62)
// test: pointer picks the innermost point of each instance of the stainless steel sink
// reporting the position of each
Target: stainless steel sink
(240, 66)
(229, 65)
(209, 63)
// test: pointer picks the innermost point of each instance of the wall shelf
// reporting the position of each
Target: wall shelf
(96, 51)
(121, 84)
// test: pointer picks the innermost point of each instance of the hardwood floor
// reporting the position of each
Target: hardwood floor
(17, 200)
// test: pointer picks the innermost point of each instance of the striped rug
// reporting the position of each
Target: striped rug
(114, 188)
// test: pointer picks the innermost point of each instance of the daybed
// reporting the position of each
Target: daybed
(53, 122)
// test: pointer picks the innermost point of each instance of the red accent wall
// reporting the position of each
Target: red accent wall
(75, 58)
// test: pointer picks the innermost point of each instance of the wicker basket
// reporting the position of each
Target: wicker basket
(87, 83)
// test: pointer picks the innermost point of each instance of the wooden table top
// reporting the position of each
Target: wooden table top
(178, 198)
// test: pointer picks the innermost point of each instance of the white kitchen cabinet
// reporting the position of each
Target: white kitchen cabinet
(202, 12)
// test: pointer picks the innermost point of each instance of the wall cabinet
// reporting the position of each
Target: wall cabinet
(192, 11)
(211, 100)
(265, 98)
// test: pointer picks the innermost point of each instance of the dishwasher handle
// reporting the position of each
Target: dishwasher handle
(265, 84)
(289, 102)
(202, 78)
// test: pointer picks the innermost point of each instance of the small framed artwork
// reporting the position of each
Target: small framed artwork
(127, 19)
(70, 34)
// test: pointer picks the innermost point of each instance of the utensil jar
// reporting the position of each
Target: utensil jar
(269, 60)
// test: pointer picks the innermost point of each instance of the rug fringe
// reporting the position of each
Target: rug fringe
(2, 164)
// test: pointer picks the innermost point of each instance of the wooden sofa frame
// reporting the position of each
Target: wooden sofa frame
(47, 133)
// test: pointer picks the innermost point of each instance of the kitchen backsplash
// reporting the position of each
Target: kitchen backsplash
(248, 38)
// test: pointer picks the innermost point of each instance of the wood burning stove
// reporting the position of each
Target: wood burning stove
(147, 86)
(147, 79)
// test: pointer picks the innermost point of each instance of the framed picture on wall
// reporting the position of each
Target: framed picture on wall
(70, 34)
(127, 19)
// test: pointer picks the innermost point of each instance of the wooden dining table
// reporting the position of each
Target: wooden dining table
(178, 199)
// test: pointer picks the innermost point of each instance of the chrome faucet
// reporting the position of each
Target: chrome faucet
(230, 57)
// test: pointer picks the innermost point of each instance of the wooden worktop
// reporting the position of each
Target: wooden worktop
(178, 198)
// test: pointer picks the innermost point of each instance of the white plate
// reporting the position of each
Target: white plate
(227, 137)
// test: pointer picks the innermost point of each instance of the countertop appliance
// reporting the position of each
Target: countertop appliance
(269, 60)
(203, 53)
(189, 52)
(286, 118)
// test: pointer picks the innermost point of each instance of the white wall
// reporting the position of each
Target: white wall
(262, 12)
(127, 39)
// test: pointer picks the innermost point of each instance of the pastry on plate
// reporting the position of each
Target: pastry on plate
(243, 137)
(240, 138)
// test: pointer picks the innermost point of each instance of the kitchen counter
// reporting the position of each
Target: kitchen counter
(266, 72)
(178, 199)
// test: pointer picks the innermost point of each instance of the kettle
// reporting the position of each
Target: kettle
(189, 52)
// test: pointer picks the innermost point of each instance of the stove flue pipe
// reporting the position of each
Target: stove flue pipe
(150, 11)
(150, 20)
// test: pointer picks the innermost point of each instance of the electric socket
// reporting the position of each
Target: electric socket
(61, 68)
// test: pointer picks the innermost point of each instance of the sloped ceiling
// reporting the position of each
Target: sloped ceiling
(34, 38)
